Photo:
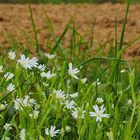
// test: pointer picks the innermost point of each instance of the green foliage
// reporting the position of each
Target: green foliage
(38, 99)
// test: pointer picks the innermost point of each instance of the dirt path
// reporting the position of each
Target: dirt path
(16, 18)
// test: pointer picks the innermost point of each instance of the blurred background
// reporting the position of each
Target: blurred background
(65, 1)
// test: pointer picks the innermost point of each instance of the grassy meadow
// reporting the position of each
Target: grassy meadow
(67, 94)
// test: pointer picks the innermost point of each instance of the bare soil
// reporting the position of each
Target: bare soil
(15, 21)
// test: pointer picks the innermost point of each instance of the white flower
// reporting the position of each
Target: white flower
(74, 95)
(52, 132)
(12, 55)
(48, 75)
(29, 101)
(34, 114)
(99, 113)
(100, 100)
(25, 62)
(41, 67)
(28, 63)
(11, 87)
(129, 102)
(50, 56)
(1, 68)
(123, 71)
(43, 93)
(83, 81)
(70, 104)
(45, 84)
(98, 82)
(72, 71)
(3, 105)
(33, 62)
(22, 134)
(67, 128)
(19, 103)
(75, 113)
(8, 76)
(8, 126)
(59, 94)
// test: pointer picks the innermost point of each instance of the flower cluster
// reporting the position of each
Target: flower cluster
(40, 95)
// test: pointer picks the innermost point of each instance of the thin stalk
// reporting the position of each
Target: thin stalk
(34, 29)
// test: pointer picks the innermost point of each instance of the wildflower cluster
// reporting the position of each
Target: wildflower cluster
(47, 99)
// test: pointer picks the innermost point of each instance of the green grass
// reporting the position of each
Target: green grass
(108, 77)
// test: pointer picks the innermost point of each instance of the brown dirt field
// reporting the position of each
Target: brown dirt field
(16, 18)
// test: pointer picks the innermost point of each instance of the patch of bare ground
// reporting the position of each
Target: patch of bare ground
(15, 20)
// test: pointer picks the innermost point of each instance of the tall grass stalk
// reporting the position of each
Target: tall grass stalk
(34, 29)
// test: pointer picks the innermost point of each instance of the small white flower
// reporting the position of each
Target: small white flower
(34, 114)
(28, 63)
(12, 55)
(52, 132)
(43, 93)
(11, 87)
(83, 81)
(59, 94)
(70, 104)
(74, 95)
(8, 126)
(8, 76)
(123, 71)
(75, 113)
(23, 134)
(33, 62)
(41, 67)
(129, 102)
(67, 128)
(99, 113)
(112, 106)
(3, 105)
(98, 82)
(73, 71)
(50, 56)
(25, 62)
(100, 100)
(1, 68)
(48, 75)
(29, 101)
(45, 84)
(19, 103)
